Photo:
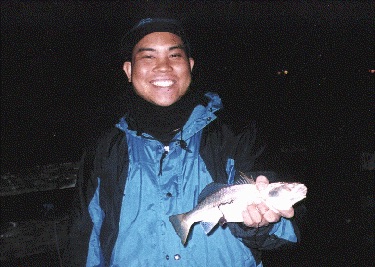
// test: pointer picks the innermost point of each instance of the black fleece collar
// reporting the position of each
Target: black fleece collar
(161, 122)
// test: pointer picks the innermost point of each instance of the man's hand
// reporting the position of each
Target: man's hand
(257, 215)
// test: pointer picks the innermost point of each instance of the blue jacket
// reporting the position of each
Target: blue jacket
(131, 184)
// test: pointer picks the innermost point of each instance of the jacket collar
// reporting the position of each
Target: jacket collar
(199, 118)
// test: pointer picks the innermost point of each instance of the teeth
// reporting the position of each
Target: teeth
(163, 83)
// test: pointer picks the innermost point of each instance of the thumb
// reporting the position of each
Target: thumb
(261, 182)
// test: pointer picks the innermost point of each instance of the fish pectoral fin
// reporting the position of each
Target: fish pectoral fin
(208, 226)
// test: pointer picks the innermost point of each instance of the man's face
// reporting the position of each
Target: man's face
(160, 69)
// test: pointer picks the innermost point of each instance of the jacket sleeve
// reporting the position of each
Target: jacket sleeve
(247, 154)
(265, 238)
(226, 152)
(80, 226)
(94, 254)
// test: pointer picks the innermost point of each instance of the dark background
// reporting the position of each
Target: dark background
(62, 83)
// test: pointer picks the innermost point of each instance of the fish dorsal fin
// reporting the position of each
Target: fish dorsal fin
(244, 179)
(209, 190)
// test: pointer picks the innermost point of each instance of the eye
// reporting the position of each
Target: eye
(176, 55)
(147, 56)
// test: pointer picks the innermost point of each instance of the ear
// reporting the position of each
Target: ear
(191, 60)
(127, 67)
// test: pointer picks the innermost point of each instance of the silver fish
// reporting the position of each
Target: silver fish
(227, 203)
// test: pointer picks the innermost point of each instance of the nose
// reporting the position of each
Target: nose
(163, 65)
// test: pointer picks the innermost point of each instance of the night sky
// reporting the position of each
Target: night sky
(62, 81)
(301, 70)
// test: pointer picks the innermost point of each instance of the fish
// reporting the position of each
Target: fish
(225, 203)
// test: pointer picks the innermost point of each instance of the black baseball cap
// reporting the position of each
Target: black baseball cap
(150, 25)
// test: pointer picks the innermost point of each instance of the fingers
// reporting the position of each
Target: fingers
(271, 216)
(262, 208)
(287, 213)
(251, 216)
(259, 215)
(261, 183)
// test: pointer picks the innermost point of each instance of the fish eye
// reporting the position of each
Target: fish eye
(274, 193)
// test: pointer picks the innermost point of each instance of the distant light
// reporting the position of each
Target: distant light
(282, 72)
(371, 71)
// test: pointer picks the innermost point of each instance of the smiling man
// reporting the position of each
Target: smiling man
(160, 69)
(168, 147)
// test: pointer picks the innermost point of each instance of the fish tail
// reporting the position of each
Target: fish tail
(181, 226)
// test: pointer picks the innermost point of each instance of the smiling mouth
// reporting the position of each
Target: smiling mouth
(163, 83)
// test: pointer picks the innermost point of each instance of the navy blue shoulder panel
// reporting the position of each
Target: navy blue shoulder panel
(221, 142)
(105, 157)
(80, 224)
(215, 150)
(111, 165)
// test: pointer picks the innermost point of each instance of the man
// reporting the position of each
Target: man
(157, 160)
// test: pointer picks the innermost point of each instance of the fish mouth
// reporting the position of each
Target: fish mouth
(302, 189)
(163, 83)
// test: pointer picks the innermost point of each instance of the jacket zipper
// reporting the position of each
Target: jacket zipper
(165, 153)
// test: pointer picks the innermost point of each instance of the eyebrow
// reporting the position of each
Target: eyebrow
(142, 49)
